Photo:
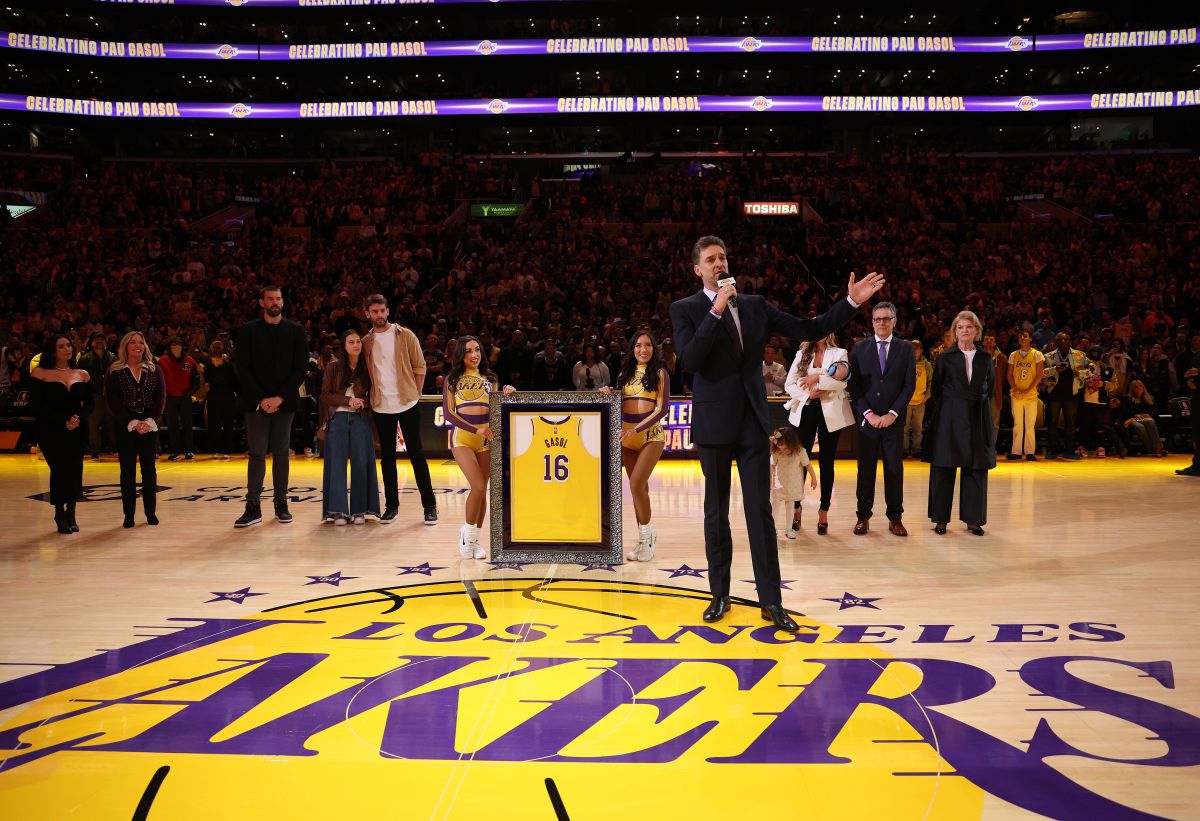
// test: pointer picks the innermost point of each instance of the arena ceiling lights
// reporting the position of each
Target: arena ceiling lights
(602, 45)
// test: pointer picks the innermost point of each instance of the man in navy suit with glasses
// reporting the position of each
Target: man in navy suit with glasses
(720, 338)
(883, 375)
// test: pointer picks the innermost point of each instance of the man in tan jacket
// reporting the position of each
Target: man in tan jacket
(397, 366)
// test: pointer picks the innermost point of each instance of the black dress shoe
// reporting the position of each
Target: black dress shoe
(776, 613)
(716, 609)
(940, 528)
(976, 529)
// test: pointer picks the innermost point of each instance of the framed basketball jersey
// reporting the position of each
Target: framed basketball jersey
(558, 497)
(555, 484)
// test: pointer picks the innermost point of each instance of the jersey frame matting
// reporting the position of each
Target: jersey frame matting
(509, 413)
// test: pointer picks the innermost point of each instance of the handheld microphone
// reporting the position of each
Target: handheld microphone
(732, 283)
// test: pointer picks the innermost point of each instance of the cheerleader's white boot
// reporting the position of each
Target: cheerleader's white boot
(646, 541)
(477, 549)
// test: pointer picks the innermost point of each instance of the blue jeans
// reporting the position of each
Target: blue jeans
(349, 436)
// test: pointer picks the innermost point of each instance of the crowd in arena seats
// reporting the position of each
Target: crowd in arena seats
(126, 246)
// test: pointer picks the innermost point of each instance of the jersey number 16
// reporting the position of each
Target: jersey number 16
(558, 471)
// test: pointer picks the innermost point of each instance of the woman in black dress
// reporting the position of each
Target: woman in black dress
(63, 399)
(961, 436)
(137, 394)
(221, 401)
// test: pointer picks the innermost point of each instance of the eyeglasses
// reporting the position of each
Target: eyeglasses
(883, 319)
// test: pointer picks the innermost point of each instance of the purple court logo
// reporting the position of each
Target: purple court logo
(486, 47)
(750, 44)
(497, 106)
(761, 103)
(617, 673)
(227, 52)
(241, 111)
(1018, 44)
(1027, 103)
(237, 2)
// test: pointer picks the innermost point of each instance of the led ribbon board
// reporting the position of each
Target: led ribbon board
(308, 4)
(598, 105)
(598, 45)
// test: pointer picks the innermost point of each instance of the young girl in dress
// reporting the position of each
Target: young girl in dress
(789, 465)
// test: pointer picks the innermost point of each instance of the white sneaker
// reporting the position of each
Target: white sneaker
(465, 548)
(360, 519)
(632, 555)
(478, 550)
(341, 521)
(645, 551)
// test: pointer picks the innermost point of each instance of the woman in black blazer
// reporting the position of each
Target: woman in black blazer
(961, 436)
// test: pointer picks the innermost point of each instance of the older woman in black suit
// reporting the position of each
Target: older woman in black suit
(961, 436)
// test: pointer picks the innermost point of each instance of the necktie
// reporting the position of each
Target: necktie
(731, 327)
(882, 356)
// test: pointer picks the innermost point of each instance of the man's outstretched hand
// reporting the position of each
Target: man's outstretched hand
(862, 290)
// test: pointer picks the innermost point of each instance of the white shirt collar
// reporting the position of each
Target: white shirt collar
(879, 339)
(710, 294)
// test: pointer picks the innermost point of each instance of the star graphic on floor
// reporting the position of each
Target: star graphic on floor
(683, 570)
(334, 579)
(783, 583)
(423, 568)
(507, 566)
(611, 568)
(235, 596)
(849, 600)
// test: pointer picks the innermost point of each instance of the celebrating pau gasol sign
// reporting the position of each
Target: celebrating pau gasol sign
(466, 699)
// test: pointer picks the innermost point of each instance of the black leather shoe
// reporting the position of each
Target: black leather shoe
(940, 528)
(776, 613)
(716, 609)
(976, 529)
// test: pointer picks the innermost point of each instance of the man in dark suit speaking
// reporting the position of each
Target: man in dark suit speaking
(883, 375)
(721, 338)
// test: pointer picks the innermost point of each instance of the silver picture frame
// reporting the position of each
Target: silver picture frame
(503, 548)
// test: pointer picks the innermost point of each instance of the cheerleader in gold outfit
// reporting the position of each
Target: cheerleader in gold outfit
(465, 405)
(645, 387)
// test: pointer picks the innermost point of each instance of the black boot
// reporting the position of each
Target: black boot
(71, 517)
(60, 519)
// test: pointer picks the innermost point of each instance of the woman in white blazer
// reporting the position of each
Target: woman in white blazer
(820, 408)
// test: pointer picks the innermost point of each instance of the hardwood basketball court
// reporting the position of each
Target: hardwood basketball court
(303, 670)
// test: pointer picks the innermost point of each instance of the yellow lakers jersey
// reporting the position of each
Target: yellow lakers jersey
(471, 397)
(554, 485)
(467, 408)
(1025, 372)
(635, 388)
